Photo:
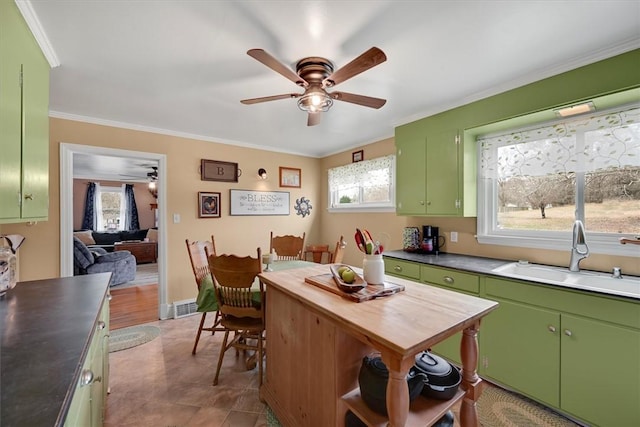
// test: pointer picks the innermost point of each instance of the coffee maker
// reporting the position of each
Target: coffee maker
(432, 241)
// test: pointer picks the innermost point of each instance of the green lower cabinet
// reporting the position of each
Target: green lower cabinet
(600, 372)
(520, 347)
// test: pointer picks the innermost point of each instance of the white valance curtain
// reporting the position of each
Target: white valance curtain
(582, 144)
(367, 173)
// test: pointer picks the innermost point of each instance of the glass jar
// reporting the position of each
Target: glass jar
(373, 269)
(7, 270)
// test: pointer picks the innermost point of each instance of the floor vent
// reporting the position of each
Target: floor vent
(184, 308)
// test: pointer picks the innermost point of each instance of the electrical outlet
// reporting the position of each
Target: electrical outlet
(454, 236)
(176, 218)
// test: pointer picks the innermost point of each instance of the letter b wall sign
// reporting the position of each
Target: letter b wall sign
(213, 170)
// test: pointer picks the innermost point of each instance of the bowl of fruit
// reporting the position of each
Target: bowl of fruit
(347, 280)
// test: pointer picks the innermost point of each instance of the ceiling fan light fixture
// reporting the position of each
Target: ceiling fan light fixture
(315, 100)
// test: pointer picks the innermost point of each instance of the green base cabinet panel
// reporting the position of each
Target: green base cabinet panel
(600, 372)
(520, 347)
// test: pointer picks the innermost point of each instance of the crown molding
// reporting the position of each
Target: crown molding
(29, 15)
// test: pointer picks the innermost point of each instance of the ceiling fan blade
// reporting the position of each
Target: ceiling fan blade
(277, 66)
(270, 98)
(366, 101)
(362, 63)
(313, 119)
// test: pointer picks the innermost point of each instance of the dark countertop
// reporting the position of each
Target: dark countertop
(472, 264)
(481, 265)
(45, 330)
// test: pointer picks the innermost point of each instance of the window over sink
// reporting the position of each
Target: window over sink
(534, 181)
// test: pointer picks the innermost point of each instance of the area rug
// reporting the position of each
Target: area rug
(122, 339)
(499, 408)
(146, 274)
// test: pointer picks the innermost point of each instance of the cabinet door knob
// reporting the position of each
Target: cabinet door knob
(421, 202)
(109, 297)
(28, 196)
(101, 325)
(428, 203)
(567, 332)
(448, 280)
(551, 328)
(397, 268)
(86, 377)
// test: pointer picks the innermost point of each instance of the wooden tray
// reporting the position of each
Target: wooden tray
(326, 282)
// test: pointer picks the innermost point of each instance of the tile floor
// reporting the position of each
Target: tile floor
(161, 384)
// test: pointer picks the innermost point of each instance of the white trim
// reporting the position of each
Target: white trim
(66, 211)
(132, 126)
(30, 17)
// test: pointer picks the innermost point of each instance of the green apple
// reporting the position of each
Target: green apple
(348, 276)
(342, 269)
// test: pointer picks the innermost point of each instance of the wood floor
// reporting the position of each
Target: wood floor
(133, 306)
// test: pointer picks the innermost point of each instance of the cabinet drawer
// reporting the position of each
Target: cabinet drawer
(451, 279)
(406, 269)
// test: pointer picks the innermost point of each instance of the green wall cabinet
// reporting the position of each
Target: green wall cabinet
(430, 172)
(24, 121)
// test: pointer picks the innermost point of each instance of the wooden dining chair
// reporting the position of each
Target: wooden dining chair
(198, 256)
(338, 254)
(287, 247)
(241, 311)
(317, 253)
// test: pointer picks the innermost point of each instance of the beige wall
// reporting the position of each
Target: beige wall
(143, 197)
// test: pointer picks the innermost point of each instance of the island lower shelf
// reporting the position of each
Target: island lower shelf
(421, 409)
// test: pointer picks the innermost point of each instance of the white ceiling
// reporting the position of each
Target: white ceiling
(181, 67)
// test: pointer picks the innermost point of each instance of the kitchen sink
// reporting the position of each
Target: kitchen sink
(589, 280)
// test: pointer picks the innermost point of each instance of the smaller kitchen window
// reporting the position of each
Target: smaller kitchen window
(366, 186)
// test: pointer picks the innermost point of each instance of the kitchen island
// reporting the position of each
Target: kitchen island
(317, 340)
(51, 332)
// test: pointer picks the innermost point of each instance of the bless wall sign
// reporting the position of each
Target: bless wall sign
(247, 202)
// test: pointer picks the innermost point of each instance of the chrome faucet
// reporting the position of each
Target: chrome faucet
(579, 248)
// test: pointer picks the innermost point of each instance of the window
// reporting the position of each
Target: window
(535, 182)
(368, 185)
(111, 209)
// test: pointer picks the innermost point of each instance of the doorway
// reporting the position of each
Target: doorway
(67, 153)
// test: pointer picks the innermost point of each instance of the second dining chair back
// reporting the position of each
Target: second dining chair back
(241, 309)
(287, 247)
(318, 253)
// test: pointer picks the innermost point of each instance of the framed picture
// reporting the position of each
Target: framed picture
(290, 177)
(213, 170)
(357, 156)
(208, 205)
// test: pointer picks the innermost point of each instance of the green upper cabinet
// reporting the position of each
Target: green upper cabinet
(430, 173)
(24, 121)
(411, 171)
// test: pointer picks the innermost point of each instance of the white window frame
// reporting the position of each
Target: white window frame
(488, 233)
(389, 206)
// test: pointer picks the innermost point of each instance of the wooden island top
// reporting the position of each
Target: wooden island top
(316, 341)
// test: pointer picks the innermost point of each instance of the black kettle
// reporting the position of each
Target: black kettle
(373, 379)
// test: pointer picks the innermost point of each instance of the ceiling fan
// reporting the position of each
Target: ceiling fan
(150, 176)
(315, 75)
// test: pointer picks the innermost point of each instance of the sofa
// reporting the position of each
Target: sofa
(106, 240)
(122, 264)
